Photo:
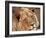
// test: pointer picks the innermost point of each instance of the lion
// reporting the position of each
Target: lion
(27, 20)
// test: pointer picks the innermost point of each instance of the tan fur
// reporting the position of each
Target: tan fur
(27, 19)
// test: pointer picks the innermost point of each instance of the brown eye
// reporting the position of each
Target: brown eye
(33, 10)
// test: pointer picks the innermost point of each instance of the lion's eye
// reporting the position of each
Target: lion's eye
(18, 17)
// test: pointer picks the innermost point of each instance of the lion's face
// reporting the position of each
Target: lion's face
(27, 20)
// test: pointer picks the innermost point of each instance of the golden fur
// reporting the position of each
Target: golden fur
(27, 20)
